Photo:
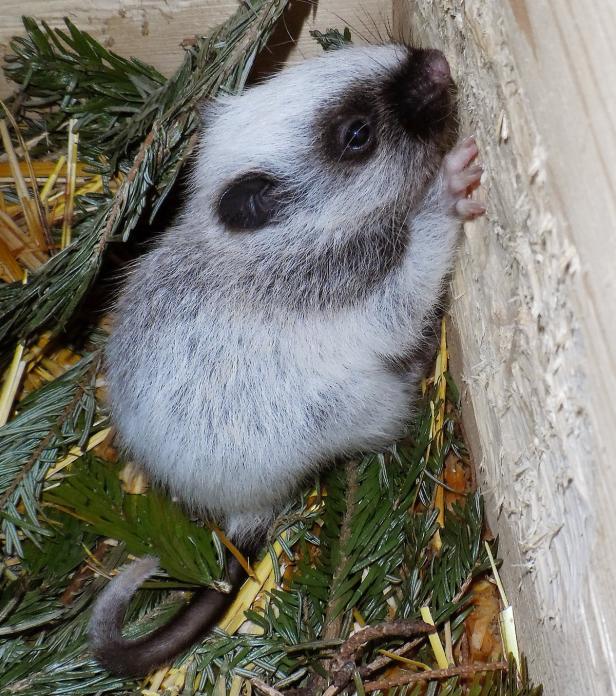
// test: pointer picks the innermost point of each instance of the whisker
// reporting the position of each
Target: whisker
(374, 35)
(377, 29)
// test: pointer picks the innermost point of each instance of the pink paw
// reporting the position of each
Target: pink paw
(461, 178)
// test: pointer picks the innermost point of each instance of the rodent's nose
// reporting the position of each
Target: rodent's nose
(437, 66)
(422, 92)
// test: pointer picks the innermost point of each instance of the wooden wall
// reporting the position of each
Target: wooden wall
(534, 307)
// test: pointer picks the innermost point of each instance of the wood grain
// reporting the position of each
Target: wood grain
(534, 300)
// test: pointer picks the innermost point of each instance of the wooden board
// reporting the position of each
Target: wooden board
(153, 29)
(534, 301)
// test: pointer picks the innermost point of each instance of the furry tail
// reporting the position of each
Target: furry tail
(136, 658)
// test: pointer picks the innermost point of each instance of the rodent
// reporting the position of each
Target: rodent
(273, 327)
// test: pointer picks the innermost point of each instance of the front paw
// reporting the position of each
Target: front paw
(460, 177)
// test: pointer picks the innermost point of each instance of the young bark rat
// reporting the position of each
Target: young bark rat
(273, 328)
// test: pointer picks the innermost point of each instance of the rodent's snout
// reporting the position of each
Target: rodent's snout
(437, 67)
(423, 93)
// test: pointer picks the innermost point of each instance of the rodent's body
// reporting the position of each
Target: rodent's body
(274, 327)
(244, 360)
(241, 410)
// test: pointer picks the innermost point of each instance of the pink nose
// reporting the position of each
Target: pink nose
(437, 66)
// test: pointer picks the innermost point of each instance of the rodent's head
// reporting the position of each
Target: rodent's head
(353, 134)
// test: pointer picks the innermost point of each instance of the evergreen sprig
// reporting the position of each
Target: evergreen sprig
(332, 39)
(93, 493)
(59, 415)
(148, 146)
(63, 74)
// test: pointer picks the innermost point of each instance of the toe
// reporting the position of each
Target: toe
(468, 209)
(461, 156)
(466, 181)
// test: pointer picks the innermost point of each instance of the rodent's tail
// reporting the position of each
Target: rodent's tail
(136, 658)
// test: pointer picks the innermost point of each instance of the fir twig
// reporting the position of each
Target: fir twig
(93, 494)
(45, 442)
(59, 415)
(332, 39)
(150, 145)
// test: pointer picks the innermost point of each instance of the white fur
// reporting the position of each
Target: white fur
(231, 398)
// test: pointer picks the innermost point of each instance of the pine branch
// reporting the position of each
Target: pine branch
(332, 620)
(149, 146)
(69, 74)
(50, 421)
(93, 493)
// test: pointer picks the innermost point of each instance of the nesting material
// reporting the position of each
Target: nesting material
(322, 610)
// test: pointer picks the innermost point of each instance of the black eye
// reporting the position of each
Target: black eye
(356, 135)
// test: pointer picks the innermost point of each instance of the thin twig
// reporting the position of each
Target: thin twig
(81, 576)
(45, 442)
(463, 589)
(462, 671)
(384, 660)
(345, 663)
(264, 688)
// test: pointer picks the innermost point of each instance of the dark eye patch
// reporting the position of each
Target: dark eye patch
(250, 202)
(348, 129)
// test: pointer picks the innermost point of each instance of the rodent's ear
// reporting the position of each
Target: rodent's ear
(249, 202)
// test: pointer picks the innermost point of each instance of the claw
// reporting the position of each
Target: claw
(461, 156)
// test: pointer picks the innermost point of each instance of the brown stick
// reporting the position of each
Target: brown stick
(264, 688)
(81, 576)
(344, 664)
(384, 660)
(462, 671)
(463, 589)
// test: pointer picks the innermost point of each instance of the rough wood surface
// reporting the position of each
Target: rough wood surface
(534, 306)
(153, 29)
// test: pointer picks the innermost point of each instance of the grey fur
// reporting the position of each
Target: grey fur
(241, 362)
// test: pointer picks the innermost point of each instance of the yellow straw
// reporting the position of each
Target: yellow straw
(435, 641)
(71, 176)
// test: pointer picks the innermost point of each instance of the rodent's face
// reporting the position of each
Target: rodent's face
(348, 137)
